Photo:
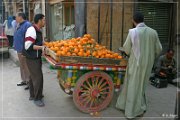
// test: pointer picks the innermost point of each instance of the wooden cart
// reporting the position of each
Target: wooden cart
(91, 81)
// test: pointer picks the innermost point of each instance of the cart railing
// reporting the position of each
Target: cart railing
(79, 66)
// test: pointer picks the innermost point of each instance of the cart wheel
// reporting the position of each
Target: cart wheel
(93, 91)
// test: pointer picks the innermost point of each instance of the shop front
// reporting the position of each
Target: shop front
(61, 19)
(159, 16)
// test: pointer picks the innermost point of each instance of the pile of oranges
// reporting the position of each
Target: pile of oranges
(84, 46)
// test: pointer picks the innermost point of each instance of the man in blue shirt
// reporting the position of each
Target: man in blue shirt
(19, 39)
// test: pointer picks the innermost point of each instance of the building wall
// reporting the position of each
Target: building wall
(34, 7)
(6, 8)
(178, 50)
(105, 24)
(80, 17)
(177, 37)
(92, 18)
(117, 34)
(178, 17)
(44, 12)
(121, 21)
(1, 12)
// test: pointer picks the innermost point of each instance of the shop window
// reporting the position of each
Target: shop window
(62, 21)
(69, 14)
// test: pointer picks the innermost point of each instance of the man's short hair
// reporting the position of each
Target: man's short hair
(138, 17)
(23, 15)
(38, 17)
(170, 50)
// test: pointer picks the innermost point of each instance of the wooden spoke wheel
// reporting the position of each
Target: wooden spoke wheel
(93, 91)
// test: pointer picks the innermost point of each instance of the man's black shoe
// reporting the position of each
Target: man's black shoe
(26, 88)
(21, 84)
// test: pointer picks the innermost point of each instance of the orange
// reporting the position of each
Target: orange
(107, 56)
(97, 56)
(56, 48)
(119, 57)
(116, 54)
(76, 50)
(59, 44)
(50, 44)
(88, 52)
(87, 36)
(81, 46)
(102, 56)
(63, 53)
(94, 53)
(99, 53)
(68, 54)
(81, 50)
(80, 53)
(103, 52)
(85, 55)
(111, 56)
(58, 53)
(84, 39)
(65, 50)
(51, 48)
(74, 54)
(66, 44)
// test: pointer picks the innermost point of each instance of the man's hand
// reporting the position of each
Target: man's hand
(44, 52)
(174, 70)
(162, 74)
(122, 52)
(170, 67)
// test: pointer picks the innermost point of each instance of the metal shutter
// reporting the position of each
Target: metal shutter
(156, 16)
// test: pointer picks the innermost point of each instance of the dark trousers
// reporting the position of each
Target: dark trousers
(10, 39)
(36, 78)
(169, 74)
